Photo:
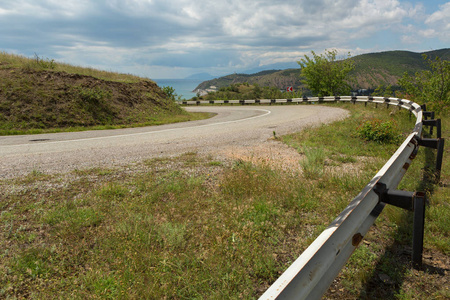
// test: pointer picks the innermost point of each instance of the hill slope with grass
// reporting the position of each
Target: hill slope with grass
(385, 68)
(269, 78)
(42, 94)
(371, 70)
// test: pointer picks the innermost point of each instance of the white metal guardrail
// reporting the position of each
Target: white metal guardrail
(395, 101)
(314, 270)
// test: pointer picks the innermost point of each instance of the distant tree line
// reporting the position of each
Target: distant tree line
(245, 91)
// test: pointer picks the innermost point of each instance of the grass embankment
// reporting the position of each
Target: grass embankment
(40, 95)
(194, 227)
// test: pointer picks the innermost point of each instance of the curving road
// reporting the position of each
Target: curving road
(239, 125)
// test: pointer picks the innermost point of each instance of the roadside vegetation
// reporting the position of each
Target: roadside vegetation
(40, 95)
(325, 74)
(430, 86)
(201, 227)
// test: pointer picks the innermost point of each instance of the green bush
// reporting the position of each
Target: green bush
(376, 130)
(170, 92)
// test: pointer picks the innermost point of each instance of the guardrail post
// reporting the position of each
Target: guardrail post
(434, 123)
(437, 144)
(423, 107)
(440, 142)
(412, 201)
(426, 115)
(418, 231)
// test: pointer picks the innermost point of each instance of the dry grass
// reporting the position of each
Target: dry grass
(40, 63)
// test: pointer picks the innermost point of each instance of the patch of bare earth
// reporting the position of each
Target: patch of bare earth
(271, 153)
(280, 156)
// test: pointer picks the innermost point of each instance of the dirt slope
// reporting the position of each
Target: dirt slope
(50, 99)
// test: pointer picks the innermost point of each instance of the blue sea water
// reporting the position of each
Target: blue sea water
(183, 87)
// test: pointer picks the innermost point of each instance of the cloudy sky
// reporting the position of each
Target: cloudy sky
(178, 38)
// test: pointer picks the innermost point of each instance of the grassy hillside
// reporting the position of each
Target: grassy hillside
(385, 68)
(277, 78)
(371, 70)
(40, 94)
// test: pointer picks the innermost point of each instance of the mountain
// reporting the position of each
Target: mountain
(384, 68)
(276, 66)
(278, 78)
(371, 70)
(200, 76)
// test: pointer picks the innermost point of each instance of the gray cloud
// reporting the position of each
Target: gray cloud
(204, 34)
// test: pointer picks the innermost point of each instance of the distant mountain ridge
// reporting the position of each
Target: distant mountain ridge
(371, 71)
(200, 76)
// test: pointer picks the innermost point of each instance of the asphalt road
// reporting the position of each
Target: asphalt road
(239, 125)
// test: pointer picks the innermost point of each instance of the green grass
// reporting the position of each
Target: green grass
(197, 227)
(154, 121)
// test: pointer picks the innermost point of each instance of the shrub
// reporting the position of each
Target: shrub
(383, 132)
(41, 63)
(170, 92)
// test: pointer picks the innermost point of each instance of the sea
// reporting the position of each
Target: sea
(183, 87)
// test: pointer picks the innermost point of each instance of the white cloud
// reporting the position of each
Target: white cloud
(442, 15)
(439, 22)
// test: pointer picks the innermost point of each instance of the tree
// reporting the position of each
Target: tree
(430, 86)
(170, 92)
(383, 91)
(325, 75)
